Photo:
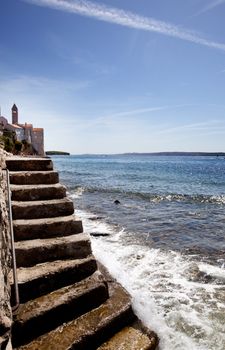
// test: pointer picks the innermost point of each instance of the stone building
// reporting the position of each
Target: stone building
(3, 122)
(14, 114)
(24, 132)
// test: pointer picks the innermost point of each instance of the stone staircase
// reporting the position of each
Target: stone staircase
(67, 300)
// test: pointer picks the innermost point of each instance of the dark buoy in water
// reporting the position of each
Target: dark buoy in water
(117, 202)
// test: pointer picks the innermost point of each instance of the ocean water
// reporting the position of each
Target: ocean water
(165, 241)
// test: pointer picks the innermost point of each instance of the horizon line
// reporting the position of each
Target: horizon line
(220, 153)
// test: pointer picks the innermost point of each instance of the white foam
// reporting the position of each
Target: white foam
(214, 271)
(77, 193)
(218, 199)
(180, 310)
(92, 225)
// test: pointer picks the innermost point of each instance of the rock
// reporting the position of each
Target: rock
(5, 324)
(99, 234)
(96, 218)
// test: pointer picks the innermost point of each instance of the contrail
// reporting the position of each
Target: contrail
(211, 6)
(125, 18)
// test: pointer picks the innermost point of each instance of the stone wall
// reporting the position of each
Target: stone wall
(5, 263)
(38, 140)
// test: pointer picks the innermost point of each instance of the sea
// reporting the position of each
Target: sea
(164, 241)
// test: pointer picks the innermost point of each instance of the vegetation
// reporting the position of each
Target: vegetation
(18, 146)
(10, 144)
(7, 140)
(57, 153)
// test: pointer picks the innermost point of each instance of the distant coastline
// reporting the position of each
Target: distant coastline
(57, 153)
(182, 154)
(214, 154)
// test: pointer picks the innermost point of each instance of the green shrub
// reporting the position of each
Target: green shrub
(9, 145)
(2, 142)
(18, 146)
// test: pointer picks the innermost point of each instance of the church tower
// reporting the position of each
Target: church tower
(14, 114)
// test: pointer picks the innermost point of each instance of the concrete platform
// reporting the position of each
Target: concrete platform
(47, 312)
(36, 251)
(130, 338)
(91, 329)
(66, 303)
(34, 177)
(37, 192)
(47, 227)
(44, 278)
(42, 209)
(29, 164)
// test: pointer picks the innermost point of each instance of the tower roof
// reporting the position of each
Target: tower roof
(14, 107)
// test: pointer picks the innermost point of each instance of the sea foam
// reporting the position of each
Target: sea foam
(168, 292)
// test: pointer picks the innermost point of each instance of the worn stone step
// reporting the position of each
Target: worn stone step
(37, 192)
(28, 164)
(42, 209)
(44, 278)
(46, 228)
(131, 338)
(49, 311)
(34, 177)
(91, 329)
(36, 251)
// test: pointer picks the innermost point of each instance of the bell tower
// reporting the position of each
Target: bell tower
(14, 114)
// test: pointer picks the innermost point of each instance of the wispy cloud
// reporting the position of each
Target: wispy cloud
(148, 110)
(126, 18)
(124, 119)
(208, 126)
(137, 112)
(210, 6)
(24, 83)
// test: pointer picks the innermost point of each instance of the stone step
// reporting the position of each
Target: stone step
(28, 164)
(42, 209)
(36, 251)
(37, 192)
(49, 311)
(131, 338)
(91, 329)
(46, 228)
(34, 177)
(44, 278)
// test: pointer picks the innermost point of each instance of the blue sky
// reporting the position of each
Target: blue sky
(116, 76)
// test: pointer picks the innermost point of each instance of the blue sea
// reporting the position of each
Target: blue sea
(164, 241)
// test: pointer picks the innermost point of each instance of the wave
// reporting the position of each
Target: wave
(179, 294)
(76, 192)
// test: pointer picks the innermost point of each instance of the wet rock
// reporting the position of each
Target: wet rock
(96, 218)
(5, 324)
(62, 305)
(130, 338)
(99, 234)
(196, 275)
